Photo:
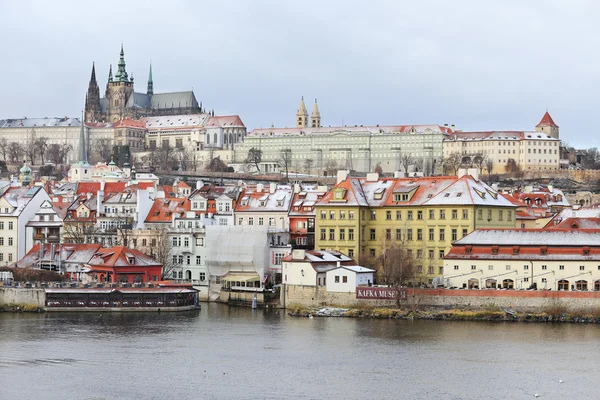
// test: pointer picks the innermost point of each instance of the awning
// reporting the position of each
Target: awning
(241, 277)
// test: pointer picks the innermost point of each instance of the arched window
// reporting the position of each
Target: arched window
(473, 283)
(508, 284)
(138, 279)
(563, 284)
(123, 279)
(225, 139)
(581, 285)
(231, 136)
(207, 138)
(188, 274)
(597, 285)
(490, 283)
(215, 138)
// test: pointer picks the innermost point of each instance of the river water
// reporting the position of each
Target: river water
(237, 353)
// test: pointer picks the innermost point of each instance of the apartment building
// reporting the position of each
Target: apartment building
(362, 217)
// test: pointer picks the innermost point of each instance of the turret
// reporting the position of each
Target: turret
(548, 126)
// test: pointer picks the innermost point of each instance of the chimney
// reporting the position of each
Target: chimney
(259, 187)
(102, 184)
(296, 188)
(199, 184)
(474, 172)
(461, 172)
(339, 264)
(453, 127)
(298, 254)
(551, 188)
(272, 187)
(341, 176)
(89, 195)
(446, 125)
(372, 177)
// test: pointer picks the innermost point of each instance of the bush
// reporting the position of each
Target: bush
(33, 275)
(555, 309)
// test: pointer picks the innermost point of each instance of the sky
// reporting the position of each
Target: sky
(481, 65)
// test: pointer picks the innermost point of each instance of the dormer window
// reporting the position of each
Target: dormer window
(378, 194)
(544, 250)
(131, 260)
(338, 195)
(494, 249)
(468, 249)
(516, 250)
(586, 250)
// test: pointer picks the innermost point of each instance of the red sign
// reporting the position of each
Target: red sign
(380, 293)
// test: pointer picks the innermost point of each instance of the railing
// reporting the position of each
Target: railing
(119, 304)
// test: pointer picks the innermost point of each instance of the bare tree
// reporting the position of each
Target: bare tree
(308, 165)
(418, 165)
(479, 160)
(4, 148)
(41, 146)
(30, 147)
(103, 148)
(57, 153)
(452, 162)
(216, 165)
(79, 232)
(331, 166)
(192, 158)
(15, 152)
(285, 161)
(162, 251)
(489, 166)
(406, 160)
(378, 169)
(427, 168)
(254, 157)
(513, 169)
(162, 157)
(396, 264)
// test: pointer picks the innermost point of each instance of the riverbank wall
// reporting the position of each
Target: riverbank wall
(24, 296)
(521, 300)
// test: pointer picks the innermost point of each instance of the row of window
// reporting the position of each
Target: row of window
(179, 260)
(399, 234)
(260, 221)
(9, 257)
(10, 224)
(525, 267)
(411, 215)
(177, 241)
(9, 241)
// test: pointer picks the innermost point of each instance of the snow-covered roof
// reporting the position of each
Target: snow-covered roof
(531, 237)
(330, 130)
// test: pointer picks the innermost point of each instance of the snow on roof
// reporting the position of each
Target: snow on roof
(176, 121)
(37, 122)
(389, 129)
(255, 201)
(531, 237)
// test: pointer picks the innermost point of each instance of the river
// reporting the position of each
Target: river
(223, 352)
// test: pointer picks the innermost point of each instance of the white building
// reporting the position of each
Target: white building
(557, 259)
(327, 268)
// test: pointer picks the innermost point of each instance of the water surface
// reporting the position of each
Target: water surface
(238, 353)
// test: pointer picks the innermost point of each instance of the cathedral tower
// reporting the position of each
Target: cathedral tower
(150, 90)
(315, 117)
(302, 115)
(118, 91)
(92, 99)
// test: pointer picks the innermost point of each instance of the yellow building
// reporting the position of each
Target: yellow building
(363, 216)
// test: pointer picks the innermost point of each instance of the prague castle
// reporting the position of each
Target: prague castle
(121, 101)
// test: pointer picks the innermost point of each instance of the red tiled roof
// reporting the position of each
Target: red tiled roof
(547, 121)
(224, 121)
(93, 187)
(132, 123)
(118, 256)
(163, 209)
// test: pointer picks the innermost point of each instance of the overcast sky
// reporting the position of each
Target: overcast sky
(481, 65)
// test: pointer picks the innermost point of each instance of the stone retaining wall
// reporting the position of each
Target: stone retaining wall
(518, 300)
(10, 295)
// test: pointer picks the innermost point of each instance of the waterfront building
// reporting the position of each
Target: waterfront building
(18, 206)
(334, 271)
(93, 263)
(362, 217)
(530, 151)
(557, 259)
(45, 226)
(268, 207)
(302, 215)
(120, 100)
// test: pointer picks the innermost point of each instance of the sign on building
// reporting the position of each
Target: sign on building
(380, 293)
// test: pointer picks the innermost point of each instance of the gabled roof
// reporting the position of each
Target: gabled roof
(94, 187)
(163, 210)
(547, 121)
(532, 237)
(224, 121)
(130, 123)
(264, 201)
(352, 193)
(119, 256)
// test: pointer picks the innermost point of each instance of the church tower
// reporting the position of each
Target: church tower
(92, 99)
(150, 90)
(315, 117)
(118, 92)
(547, 126)
(302, 115)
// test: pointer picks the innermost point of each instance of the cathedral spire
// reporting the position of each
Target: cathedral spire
(93, 77)
(150, 90)
(121, 74)
(110, 78)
